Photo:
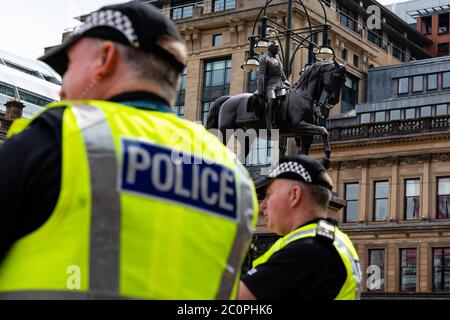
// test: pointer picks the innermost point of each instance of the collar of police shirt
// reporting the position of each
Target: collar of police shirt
(142, 100)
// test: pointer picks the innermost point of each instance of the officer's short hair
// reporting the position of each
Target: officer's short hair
(321, 196)
(149, 67)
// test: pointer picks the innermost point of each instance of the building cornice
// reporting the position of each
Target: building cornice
(390, 161)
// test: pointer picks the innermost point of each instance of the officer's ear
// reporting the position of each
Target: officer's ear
(108, 58)
(295, 195)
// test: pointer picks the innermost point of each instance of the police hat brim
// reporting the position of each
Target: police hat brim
(261, 184)
(57, 57)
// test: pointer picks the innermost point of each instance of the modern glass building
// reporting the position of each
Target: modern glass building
(30, 81)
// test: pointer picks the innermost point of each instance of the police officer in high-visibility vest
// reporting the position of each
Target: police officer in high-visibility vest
(108, 194)
(313, 259)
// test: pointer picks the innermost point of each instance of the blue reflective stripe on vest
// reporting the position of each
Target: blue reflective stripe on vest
(152, 170)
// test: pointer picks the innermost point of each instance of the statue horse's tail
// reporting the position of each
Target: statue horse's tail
(213, 117)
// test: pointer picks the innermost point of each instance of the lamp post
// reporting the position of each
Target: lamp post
(302, 37)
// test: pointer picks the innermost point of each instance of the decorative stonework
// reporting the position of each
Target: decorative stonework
(355, 164)
(441, 157)
(416, 159)
(390, 161)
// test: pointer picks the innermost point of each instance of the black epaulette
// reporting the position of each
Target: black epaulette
(326, 230)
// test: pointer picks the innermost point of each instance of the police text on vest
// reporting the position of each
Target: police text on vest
(148, 169)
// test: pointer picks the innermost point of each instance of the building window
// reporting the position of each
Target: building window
(432, 81)
(252, 85)
(425, 111)
(403, 85)
(344, 54)
(365, 118)
(22, 69)
(412, 199)
(441, 269)
(216, 84)
(349, 93)
(425, 24)
(217, 40)
(443, 49)
(395, 114)
(348, 18)
(376, 37)
(443, 23)
(33, 99)
(408, 269)
(410, 113)
(356, 60)
(380, 116)
(443, 201)
(7, 90)
(181, 93)
(445, 80)
(351, 202)
(260, 152)
(206, 106)
(398, 51)
(381, 200)
(221, 5)
(376, 267)
(418, 84)
(182, 11)
(441, 110)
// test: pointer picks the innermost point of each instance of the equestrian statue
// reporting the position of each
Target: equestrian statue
(297, 111)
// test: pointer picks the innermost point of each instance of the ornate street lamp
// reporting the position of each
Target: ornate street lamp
(252, 62)
(271, 30)
(325, 53)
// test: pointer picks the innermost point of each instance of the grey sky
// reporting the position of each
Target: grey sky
(28, 26)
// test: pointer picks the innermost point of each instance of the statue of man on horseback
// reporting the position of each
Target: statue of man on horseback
(319, 85)
(271, 82)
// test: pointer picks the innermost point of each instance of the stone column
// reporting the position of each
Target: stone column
(193, 86)
(364, 194)
(426, 192)
(424, 274)
(334, 175)
(393, 216)
(390, 269)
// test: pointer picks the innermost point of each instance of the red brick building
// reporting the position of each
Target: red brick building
(434, 24)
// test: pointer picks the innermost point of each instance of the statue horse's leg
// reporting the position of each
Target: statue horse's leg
(283, 146)
(311, 130)
(304, 144)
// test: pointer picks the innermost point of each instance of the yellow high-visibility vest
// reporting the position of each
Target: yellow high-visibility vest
(151, 206)
(341, 242)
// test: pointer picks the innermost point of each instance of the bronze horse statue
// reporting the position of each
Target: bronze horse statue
(319, 85)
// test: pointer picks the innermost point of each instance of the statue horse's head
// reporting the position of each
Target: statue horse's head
(333, 81)
(328, 76)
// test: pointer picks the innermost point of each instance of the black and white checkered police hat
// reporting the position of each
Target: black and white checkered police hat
(298, 167)
(134, 23)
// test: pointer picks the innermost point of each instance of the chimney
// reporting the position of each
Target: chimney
(13, 110)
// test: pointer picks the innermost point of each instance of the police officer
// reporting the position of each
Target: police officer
(270, 77)
(313, 259)
(108, 194)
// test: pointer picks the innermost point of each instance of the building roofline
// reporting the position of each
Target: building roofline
(412, 31)
(412, 63)
(429, 11)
